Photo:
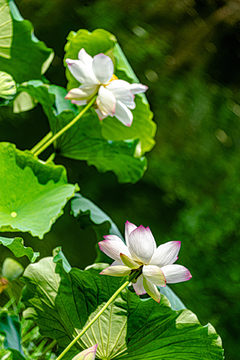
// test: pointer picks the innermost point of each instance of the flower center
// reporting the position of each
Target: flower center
(114, 77)
(137, 273)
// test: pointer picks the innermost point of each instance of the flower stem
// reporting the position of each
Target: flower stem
(40, 143)
(56, 136)
(112, 298)
(51, 157)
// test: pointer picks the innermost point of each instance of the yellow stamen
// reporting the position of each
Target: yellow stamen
(114, 77)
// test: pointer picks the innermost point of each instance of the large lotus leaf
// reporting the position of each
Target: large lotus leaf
(130, 328)
(29, 56)
(18, 249)
(32, 194)
(84, 140)
(10, 328)
(6, 23)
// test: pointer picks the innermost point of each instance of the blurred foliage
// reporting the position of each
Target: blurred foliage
(187, 52)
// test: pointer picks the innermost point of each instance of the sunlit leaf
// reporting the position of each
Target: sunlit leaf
(18, 249)
(7, 88)
(29, 56)
(32, 194)
(6, 26)
(130, 328)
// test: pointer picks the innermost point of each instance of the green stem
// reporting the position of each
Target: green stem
(48, 348)
(51, 157)
(13, 300)
(56, 136)
(43, 141)
(112, 298)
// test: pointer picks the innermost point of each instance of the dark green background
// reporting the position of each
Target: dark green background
(188, 54)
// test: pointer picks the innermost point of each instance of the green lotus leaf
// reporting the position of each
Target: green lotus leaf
(130, 328)
(84, 140)
(25, 57)
(32, 194)
(58, 255)
(7, 88)
(18, 249)
(6, 23)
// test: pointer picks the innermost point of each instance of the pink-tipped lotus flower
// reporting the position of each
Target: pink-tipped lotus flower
(115, 97)
(88, 354)
(141, 253)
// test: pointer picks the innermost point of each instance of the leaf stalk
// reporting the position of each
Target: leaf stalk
(112, 298)
(42, 145)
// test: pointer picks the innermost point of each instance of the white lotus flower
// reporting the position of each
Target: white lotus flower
(115, 97)
(141, 254)
(88, 354)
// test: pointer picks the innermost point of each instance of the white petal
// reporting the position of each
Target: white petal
(151, 290)
(106, 101)
(129, 227)
(141, 244)
(123, 114)
(154, 274)
(85, 58)
(115, 263)
(88, 354)
(176, 273)
(120, 89)
(138, 286)
(138, 88)
(100, 115)
(166, 254)
(81, 72)
(79, 102)
(113, 246)
(115, 85)
(119, 270)
(82, 93)
(102, 67)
